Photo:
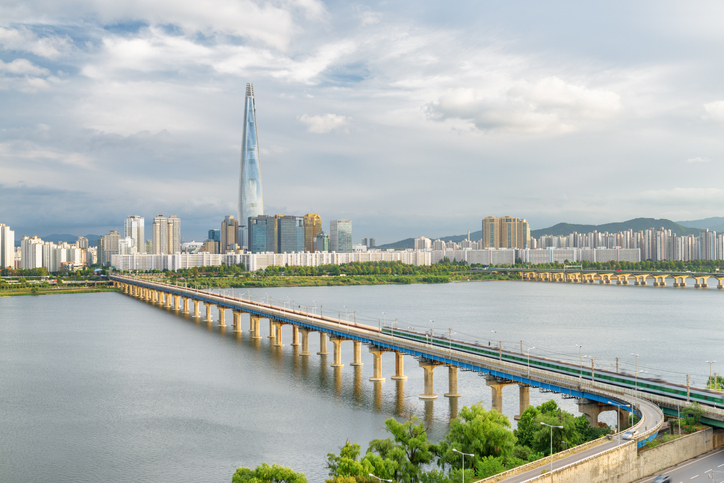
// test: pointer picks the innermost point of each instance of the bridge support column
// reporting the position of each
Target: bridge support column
(591, 410)
(305, 341)
(322, 344)
(254, 326)
(177, 302)
(399, 367)
(271, 329)
(523, 400)
(429, 386)
(222, 316)
(497, 385)
(237, 321)
(278, 334)
(357, 353)
(208, 312)
(186, 305)
(169, 300)
(623, 419)
(376, 364)
(196, 309)
(337, 342)
(295, 336)
(452, 381)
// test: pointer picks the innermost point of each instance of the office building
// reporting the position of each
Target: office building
(7, 247)
(312, 227)
(321, 242)
(251, 201)
(262, 234)
(166, 233)
(290, 233)
(340, 236)
(133, 227)
(229, 234)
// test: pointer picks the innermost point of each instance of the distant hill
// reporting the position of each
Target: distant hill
(715, 223)
(636, 224)
(56, 238)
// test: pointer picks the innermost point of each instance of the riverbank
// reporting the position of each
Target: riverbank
(53, 291)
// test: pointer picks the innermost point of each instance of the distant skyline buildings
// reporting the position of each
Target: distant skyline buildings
(7, 247)
(340, 236)
(251, 200)
(505, 232)
(133, 227)
(166, 234)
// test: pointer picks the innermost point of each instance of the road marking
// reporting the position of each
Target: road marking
(720, 466)
(695, 476)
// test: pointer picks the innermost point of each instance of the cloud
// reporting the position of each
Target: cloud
(715, 111)
(549, 105)
(688, 196)
(325, 123)
(25, 40)
(698, 160)
(22, 66)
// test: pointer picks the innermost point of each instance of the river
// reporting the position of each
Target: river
(104, 387)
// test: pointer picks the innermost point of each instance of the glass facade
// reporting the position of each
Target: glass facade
(251, 202)
(340, 236)
(290, 234)
(262, 234)
(312, 227)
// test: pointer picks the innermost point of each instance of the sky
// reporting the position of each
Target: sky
(409, 117)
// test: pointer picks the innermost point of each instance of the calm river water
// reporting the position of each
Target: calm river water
(103, 387)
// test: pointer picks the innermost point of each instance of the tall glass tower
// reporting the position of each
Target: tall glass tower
(251, 201)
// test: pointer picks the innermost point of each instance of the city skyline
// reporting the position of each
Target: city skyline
(383, 114)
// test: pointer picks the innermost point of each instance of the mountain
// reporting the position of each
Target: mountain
(637, 224)
(56, 238)
(715, 223)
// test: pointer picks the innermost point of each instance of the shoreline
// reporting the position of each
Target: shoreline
(22, 292)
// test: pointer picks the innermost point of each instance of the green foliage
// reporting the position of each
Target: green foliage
(715, 382)
(408, 450)
(489, 466)
(527, 426)
(267, 474)
(692, 413)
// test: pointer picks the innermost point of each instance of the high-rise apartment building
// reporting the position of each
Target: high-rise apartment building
(251, 201)
(321, 242)
(7, 247)
(312, 227)
(111, 246)
(290, 233)
(340, 236)
(229, 234)
(166, 234)
(31, 252)
(505, 232)
(262, 234)
(133, 227)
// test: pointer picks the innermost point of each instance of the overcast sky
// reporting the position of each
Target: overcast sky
(407, 117)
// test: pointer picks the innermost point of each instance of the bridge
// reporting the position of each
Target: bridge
(596, 391)
(638, 278)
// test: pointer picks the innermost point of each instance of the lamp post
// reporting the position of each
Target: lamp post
(551, 426)
(636, 379)
(464, 455)
(580, 364)
(710, 363)
(378, 478)
(495, 337)
(529, 349)
(636, 363)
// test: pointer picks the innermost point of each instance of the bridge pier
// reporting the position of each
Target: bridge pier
(237, 321)
(322, 344)
(186, 305)
(452, 381)
(377, 364)
(271, 329)
(592, 409)
(177, 303)
(357, 353)
(497, 385)
(208, 312)
(305, 341)
(524, 400)
(222, 316)
(428, 367)
(337, 343)
(399, 367)
(254, 326)
(295, 336)
(277, 334)
(196, 309)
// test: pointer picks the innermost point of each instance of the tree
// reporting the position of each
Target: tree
(409, 450)
(527, 426)
(266, 473)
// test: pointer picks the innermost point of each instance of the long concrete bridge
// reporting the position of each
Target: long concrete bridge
(500, 369)
(619, 277)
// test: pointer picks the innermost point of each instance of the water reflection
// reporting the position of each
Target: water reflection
(377, 395)
(357, 384)
(453, 408)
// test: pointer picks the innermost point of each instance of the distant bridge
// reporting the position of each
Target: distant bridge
(619, 277)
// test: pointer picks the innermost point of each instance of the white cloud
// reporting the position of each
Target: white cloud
(23, 39)
(325, 123)
(715, 111)
(689, 196)
(22, 66)
(698, 160)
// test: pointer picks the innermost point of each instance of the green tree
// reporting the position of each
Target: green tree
(267, 474)
(527, 426)
(408, 450)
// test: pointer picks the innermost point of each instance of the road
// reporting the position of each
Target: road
(699, 469)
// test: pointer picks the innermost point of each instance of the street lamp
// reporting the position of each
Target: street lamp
(529, 349)
(551, 426)
(464, 455)
(636, 363)
(580, 364)
(378, 478)
(710, 363)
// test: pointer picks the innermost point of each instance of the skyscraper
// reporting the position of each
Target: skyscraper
(340, 236)
(133, 227)
(290, 233)
(166, 234)
(262, 234)
(312, 227)
(505, 232)
(229, 234)
(251, 201)
(7, 247)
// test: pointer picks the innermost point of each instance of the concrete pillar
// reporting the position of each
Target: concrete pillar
(295, 336)
(278, 334)
(524, 400)
(322, 344)
(357, 353)
(591, 410)
(237, 321)
(623, 419)
(254, 327)
(497, 396)
(186, 304)
(337, 342)
(196, 309)
(208, 312)
(305, 341)
(376, 364)
(452, 380)
(399, 367)
(169, 300)
(271, 329)
(177, 302)
(222, 316)
(429, 387)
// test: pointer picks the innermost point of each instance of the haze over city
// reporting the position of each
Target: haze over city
(409, 118)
